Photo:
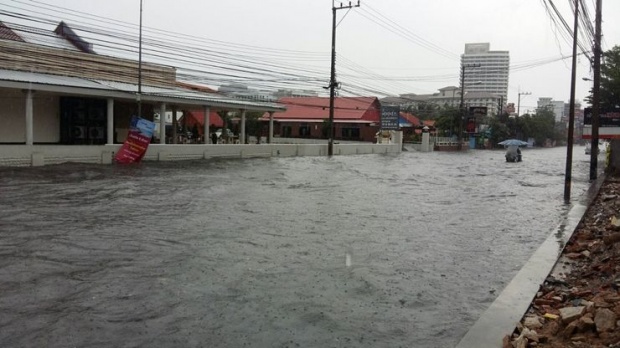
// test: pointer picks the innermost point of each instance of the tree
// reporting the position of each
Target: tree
(499, 130)
(253, 125)
(610, 80)
(448, 121)
(426, 111)
(540, 126)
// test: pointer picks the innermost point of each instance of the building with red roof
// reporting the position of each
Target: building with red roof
(409, 123)
(196, 119)
(355, 118)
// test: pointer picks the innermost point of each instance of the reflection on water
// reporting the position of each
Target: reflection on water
(250, 252)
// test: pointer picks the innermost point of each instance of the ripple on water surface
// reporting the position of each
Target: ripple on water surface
(358, 251)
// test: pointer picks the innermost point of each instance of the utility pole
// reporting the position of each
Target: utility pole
(332, 79)
(500, 107)
(139, 95)
(596, 100)
(519, 101)
(462, 104)
(571, 121)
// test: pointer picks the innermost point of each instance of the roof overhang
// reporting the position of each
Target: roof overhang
(109, 89)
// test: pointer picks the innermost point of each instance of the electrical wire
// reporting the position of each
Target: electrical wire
(214, 62)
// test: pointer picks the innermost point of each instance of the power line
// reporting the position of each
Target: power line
(408, 34)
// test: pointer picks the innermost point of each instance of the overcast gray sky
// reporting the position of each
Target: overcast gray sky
(392, 46)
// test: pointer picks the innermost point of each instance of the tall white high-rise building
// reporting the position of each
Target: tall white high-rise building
(486, 70)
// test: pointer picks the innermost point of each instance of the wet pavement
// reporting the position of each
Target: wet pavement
(353, 251)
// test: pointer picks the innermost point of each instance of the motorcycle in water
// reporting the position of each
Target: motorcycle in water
(513, 154)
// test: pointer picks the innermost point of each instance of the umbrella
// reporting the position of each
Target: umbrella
(513, 142)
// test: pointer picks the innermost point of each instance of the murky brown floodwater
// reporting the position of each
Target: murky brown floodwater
(358, 251)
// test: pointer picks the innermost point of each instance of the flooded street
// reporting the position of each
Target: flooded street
(352, 251)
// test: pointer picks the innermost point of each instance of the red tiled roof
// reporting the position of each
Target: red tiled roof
(415, 122)
(199, 118)
(7, 34)
(430, 123)
(317, 108)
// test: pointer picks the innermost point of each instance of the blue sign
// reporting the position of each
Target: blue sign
(389, 117)
(144, 127)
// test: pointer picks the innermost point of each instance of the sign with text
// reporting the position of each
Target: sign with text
(138, 140)
(607, 118)
(389, 117)
(608, 124)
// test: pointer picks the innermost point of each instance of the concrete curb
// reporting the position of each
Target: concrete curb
(502, 316)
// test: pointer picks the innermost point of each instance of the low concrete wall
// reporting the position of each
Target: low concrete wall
(38, 155)
(312, 141)
(419, 147)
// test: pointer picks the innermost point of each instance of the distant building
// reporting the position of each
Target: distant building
(557, 107)
(242, 91)
(493, 70)
(355, 118)
(578, 112)
(294, 93)
(448, 97)
(407, 100)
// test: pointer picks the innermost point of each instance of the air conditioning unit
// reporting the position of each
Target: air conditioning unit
(78, 132)
(95, 133)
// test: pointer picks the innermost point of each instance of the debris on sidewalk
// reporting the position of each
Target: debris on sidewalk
(578, 305)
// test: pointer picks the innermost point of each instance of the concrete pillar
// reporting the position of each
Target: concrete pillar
(175, 125)
(37, 159)
(426, 140)
(162, 123)
(397, 138)
(270, 140)
(110, 121)
(242, 135)
(29, 118)
(184, 122)
(207, 138)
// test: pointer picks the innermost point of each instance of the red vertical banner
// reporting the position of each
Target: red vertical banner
(137, 142)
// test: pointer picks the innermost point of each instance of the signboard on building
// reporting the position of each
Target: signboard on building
(608, 122)
(389, 117)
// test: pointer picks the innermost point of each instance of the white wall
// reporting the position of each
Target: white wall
(37, 155)
(13, 117)
(278, 140)
(46, 118)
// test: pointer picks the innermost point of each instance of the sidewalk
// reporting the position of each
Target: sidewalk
(578, 305)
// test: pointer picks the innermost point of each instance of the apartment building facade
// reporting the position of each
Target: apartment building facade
(485, 70)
